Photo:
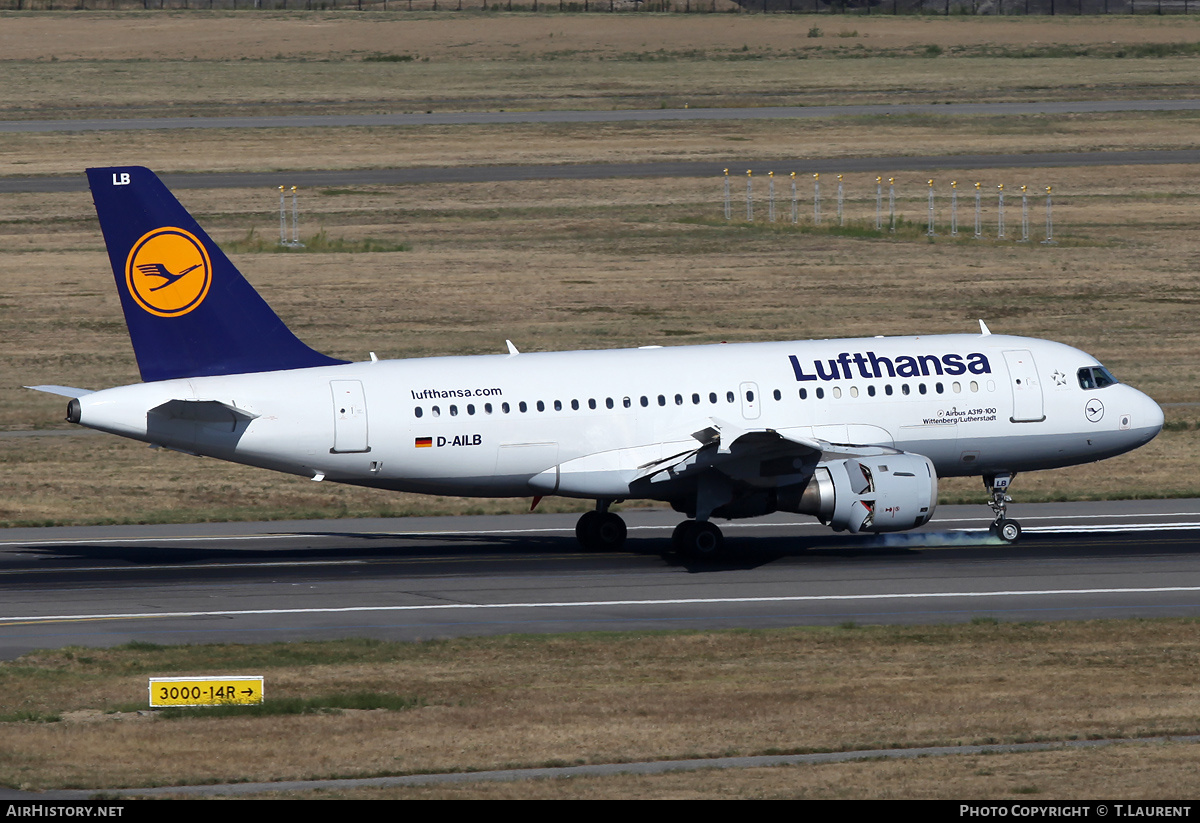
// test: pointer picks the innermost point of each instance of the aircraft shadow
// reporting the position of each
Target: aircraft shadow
(549, 551)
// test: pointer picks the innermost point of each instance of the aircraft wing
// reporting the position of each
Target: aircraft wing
(758, 457)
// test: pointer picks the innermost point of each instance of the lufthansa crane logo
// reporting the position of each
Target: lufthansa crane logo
(168, 272)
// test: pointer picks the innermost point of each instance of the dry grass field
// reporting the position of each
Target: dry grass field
(532, 701)
(100, 64)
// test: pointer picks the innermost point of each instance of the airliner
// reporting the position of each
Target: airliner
(854, 432)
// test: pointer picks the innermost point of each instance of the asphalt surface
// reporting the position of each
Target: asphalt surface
(420, 578)
(587, 171)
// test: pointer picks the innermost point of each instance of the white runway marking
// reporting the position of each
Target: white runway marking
(596, 603)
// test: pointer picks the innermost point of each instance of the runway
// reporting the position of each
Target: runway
(420, 578)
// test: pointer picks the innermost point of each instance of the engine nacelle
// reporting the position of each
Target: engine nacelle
(889, 493)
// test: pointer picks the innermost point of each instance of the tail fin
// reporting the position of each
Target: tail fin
(189, 311)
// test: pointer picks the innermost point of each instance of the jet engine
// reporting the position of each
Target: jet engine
(886, 493)
(889, 493)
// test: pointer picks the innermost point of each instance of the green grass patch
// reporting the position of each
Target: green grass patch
(355, 701)
(378, 57)
(319, 243)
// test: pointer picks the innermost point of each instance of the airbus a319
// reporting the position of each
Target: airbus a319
(854, 432)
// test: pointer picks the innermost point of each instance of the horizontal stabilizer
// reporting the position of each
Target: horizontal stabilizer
(203, 411)
(65, 391)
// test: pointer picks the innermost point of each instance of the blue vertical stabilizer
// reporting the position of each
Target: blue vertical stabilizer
(189, 310)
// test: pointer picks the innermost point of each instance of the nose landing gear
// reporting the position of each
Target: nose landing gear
(997, 486)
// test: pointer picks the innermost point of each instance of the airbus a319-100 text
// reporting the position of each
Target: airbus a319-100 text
(854, 432)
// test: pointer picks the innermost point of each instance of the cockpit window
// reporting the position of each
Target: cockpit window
(1096, 377)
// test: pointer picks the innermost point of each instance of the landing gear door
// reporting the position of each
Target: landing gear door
(1026, 388)
(349, 417)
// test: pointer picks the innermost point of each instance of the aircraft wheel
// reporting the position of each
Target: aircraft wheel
(698, 540)
(610, 532)
(677, 536)
(1007, 530)
(600, 532)
(587, 530)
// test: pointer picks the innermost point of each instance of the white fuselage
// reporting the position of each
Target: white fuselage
(585, 423)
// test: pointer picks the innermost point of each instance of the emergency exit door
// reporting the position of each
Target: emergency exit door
(1026, 388)
(349, 417)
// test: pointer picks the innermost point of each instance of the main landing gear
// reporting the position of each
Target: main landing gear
(997, 485)
(601, 530)
(698, 539)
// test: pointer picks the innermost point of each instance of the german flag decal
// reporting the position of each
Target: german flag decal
(424, 443)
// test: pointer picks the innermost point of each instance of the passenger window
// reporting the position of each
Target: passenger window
(470, 408)
(679, 400)
(523, 407)
(871, 391)
(645, 401)
(454, 411)
(695, 399)
(662, 401)
(487, 408)
(712, 397)
(417, 411)
(820, 394)
(854, 391)
(541, 406)
(591, 402)
(627, 402)
(558, 405)
(804, 394)
(837, 392)
(729, 398)
(904, 389)
(504, 407)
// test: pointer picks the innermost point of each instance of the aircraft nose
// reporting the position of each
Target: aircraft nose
(1154, 414)
(1147, 417)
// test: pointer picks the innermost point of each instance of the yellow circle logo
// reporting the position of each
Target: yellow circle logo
(168, 272)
